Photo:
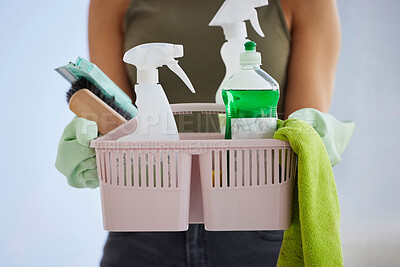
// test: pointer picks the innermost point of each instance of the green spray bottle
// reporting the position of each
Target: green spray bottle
(251, 98)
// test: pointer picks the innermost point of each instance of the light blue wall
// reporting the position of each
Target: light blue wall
(44, 222)
(367, 91)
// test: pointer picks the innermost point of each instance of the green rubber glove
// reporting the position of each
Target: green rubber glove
(75, 159)
(334, 133)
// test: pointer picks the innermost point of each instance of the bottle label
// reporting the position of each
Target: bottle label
(253, 128)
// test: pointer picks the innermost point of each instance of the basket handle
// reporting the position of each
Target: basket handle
(184, 108)
(205, 108)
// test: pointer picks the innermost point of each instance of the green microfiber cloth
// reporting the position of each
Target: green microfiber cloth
(75, 159)
(314, 237)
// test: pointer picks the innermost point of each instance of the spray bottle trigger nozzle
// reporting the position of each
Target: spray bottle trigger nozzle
(253, 17)
(181, 74)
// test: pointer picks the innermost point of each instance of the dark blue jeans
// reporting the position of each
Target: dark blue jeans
(194, 248)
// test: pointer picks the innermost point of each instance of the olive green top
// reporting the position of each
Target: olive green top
(186, 22)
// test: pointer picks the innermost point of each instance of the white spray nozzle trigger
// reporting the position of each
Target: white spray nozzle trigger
(148, 57)
(234, 11)
(152, 55)
(181, 74)
(255, 23)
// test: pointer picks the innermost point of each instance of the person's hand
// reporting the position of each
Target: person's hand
(334, 133)
(75, 159)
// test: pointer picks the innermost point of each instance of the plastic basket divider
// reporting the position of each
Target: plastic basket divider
(121, 170)
(232, 173)
(144, 181)
(261, 164)
(177, 174)
(253, 168)
(136, 168)
(269, 166)
(104, 166)
(173, 169)
(150, 169)
(183, 181)
(114, 171)
(108, 167)
(140, 178)
(275, 179)
(206, 162)
(224, 167)
(287, 164)
(239, 169)
(139, 168)
(216, 169)
(294, 162)
(158, 166)
(100, 166)
(128, 168)
(291, 159)
(165, 163)
(98, 160)
(213, 183)
(162, 179)
(283, 165)
(254, 163)
(119, 166)
(149, 165)
(247, 173)
(115, 164)
(219, 168)
(289, 176)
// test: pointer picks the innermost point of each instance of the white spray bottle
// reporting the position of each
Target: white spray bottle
(231, 17)
(155, 118)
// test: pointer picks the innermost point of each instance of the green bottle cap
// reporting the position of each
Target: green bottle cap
(250, 56)
(250, 46)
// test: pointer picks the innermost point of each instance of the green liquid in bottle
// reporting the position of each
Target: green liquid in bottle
(249, 104)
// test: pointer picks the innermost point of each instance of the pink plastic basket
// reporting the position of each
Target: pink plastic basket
(164, 185)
